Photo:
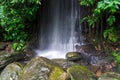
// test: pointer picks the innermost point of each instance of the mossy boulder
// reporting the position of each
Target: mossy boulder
(57, 74)
(110, 76)
(8, 57)
(12, 71)
(40, 68)
(78, 72)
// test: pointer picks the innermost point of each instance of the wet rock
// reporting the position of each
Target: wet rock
(12, 71)
(90, 54)
(2, 45)
(60, 62)
(86, 50)
(7, 57)
(63, 63)
(110, 76)
(73, 56)
(78, 72)
(105, 64)
(40, 68)
(104, 60)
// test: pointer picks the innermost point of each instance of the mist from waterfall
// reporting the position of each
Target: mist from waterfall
(59, 28)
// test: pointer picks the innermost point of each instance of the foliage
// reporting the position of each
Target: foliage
(117, 58)
(15, 17)
(19, 46)
(87, 2)
(108, 8)
(110, 34)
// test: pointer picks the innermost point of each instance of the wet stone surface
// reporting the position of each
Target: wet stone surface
(12, 71)
(110, 76)
(40, 68)
(78, 72)
(7, 57)
(73, 56)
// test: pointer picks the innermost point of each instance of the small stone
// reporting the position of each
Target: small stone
(98, 73)
(73, 56)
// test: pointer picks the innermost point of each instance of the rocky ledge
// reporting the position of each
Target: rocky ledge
(75, 67)
(41, 68)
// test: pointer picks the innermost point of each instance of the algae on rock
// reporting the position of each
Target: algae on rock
(40, 68)
(78, 72)
(57, 74)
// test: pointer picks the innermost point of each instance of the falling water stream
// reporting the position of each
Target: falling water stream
(59, 28)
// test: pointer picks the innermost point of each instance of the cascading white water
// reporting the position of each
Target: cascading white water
(58, 24)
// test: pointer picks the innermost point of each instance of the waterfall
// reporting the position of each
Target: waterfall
(59, 28)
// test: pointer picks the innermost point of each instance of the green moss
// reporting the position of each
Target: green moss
(40, 68)
(78, 68)
(78, 72)
(57, 74)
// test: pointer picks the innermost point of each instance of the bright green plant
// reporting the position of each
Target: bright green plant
(109, 8)
(16, 16)
(19, 46)
(117, 56)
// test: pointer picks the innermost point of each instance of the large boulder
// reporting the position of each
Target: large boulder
(12, 71)
(8, 57)
(78, 72)
(40, 68)
(110, 76)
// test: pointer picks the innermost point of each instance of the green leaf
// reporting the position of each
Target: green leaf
(110, 34)
(111, 20)
(15, 45)
(100, 5)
